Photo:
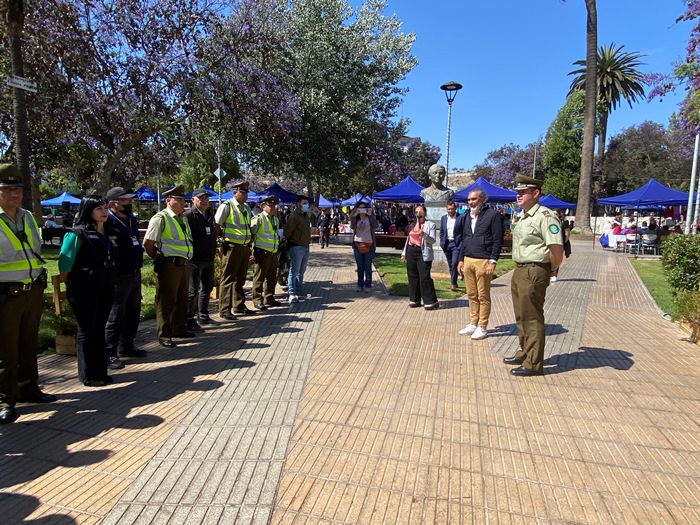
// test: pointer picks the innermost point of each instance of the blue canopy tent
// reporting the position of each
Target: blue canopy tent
(493, 192)
(146, 195)
(408, 190)
(550, 201)
(283, 196)
(652, 193)
(60, 199)
(252, 196)
(325, 203)
(353, 200)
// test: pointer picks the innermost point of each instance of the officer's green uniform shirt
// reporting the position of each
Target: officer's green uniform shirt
(533, 232)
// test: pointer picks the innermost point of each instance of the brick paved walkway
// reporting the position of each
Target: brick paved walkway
(352, 408)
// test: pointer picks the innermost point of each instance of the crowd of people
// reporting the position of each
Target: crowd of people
(101, 260)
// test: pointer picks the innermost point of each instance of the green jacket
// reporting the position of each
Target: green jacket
(297, 230)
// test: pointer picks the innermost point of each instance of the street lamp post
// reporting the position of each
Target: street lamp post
(450, 88)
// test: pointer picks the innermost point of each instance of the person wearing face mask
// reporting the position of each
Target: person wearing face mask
(297, 234)
(482, 237)
(364, 244)
(86, 264)
(418, 256)
(124, 317)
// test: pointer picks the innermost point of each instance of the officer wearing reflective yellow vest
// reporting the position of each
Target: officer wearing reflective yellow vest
(537, 251)
(264, 227)
(22, 284)
(233, 224)
(168, 241)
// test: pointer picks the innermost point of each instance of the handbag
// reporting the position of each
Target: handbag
(363, 247)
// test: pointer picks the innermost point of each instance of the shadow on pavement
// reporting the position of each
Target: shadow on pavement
(30, 449)
(18, 506)
(589, 358)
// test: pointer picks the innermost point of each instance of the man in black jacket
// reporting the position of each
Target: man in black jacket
(482, 238)
(123, 322)
(201, 221)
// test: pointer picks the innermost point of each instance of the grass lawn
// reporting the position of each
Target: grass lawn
(393, 272)
(652, 275)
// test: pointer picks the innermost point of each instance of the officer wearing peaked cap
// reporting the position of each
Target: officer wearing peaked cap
(265, 232)
(22, 284)
(233, 220)
(125, 315)
(168, 241)
(201, 220)
(537, 250)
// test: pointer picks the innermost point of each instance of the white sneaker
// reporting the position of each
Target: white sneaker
(553, 279)
(469, 329)
(479, 333)
(293, 298)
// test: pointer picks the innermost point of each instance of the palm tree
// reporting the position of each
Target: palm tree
(583, 205)
(617, 79)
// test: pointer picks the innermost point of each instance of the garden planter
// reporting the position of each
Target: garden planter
(66, 344)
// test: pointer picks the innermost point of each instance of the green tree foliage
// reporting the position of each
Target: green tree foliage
(646, 151)
(347, 67)
(417, 158)
(562, 149)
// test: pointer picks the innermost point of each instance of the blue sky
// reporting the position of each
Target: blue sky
(513, 58)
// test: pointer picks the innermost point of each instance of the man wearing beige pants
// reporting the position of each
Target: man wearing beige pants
(482, 238)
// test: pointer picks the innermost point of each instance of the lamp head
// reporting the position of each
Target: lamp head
(450, 88)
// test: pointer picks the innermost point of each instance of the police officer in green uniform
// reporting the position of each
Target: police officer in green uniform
(264, 227)
(22, 284)
(233, 224)
(168, 241)
(537, 251)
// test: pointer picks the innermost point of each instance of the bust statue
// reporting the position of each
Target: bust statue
(437, 191)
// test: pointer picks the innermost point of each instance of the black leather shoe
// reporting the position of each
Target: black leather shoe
(209, 320)
(411, 304)
(185, 335)
(261, 307)
(228, 317)
(194, 327)
(132, 353)
(94, 383)
(246, 311)
(274, 303)
(521, 371)
(7, 415)
(114, 363)
(38, 397)
(433, 306)
(512, 361)
(168, 343)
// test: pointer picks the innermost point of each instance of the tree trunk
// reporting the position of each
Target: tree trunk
(14, 13)
(583, 208)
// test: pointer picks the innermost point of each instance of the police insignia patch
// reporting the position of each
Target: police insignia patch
(554, 228)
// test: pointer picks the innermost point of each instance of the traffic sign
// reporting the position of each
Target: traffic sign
(21, 83)
(220, 173)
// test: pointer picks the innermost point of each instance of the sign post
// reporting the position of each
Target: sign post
(21, 83)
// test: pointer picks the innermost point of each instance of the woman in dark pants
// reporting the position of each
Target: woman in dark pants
(363, 224)
(86, 263)
(418, 256)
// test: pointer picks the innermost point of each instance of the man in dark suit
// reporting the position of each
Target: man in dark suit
(449, 240)
(481, 241)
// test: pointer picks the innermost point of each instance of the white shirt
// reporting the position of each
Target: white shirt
(451, 227)
(474, 218)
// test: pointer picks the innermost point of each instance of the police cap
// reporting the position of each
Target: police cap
(240, 185)
(177, 192)
(10, 176)
(524, 182)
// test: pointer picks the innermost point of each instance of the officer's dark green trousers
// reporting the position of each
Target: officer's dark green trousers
(232, 296)
(528, 289)
(172, 286)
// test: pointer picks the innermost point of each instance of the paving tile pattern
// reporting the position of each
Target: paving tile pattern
(353, 408)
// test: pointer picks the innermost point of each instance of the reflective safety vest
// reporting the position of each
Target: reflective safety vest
(17, 259)
(237, 226)
(175, 241)
(267, 238)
